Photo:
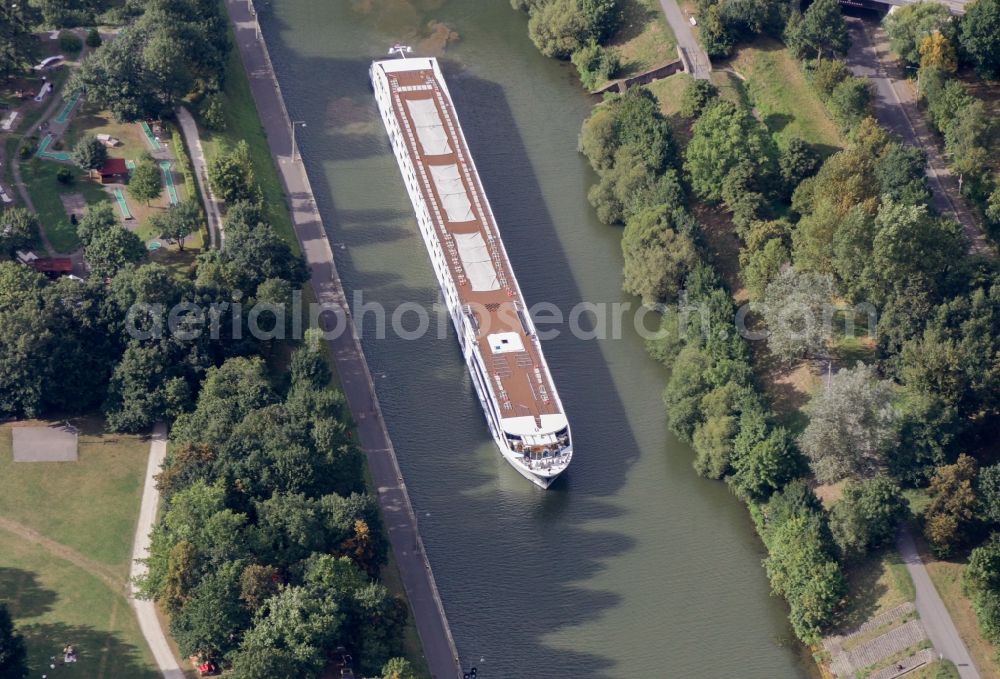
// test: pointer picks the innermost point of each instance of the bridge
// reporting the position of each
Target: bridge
(956, 6)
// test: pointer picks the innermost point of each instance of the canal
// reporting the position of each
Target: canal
(631, 565)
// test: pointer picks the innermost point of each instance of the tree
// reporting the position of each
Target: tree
(109, 251)
(208, 623)
(797, 161)
(657, 257)
(826, 74)
(146, 183)
(867, 515)
(17, 39)
(178, 222)
(254, 255)
(937, 51)
(698, 94)
(762, 265)
(18, 229)
(901, 174)
(801, 569)
(684, 391)
(851, 100)
(98, 219)
(89, 153)
(560, 27)
(968, 139)
(908, 26)
(93, 39)
(398, 668)
(820, 31)
(980, 36)
(13, 654)
(852, 426)
(763, 460)
(723, 137)
(290, 636)
(988, 491)
(595, 65)
(231, 174)
(981, 582)
(952, 511)
(795, 310)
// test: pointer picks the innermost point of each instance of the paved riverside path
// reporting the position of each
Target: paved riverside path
(401, 523)
(701, 65)
(192, 140)
(145, 610)
(933, 614)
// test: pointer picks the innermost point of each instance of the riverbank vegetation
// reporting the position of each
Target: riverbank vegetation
(605, 39)
(817, 228)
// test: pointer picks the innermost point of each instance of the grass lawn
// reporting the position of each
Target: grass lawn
(876, 584)
(644, 40)
(243, 123)
(55, 603)
(785, 101)
(40, 179)
(942, 669)
(71, 587)
(90, 505)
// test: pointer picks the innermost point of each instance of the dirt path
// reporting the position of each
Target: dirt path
(101, 571)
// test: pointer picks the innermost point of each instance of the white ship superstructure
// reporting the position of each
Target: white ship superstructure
(496, 333)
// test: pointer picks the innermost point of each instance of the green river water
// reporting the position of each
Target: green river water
(631, 565)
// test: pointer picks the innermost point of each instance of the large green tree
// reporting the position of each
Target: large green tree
(109, 251)
(907, 27)
(89, 153)
(724, 137)
(146, 183)
(18, 229)
(867, 515)
(820, 32)
(657, 257)
(980, 36)
(852, 426)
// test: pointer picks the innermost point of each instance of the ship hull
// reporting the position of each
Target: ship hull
(542, 473)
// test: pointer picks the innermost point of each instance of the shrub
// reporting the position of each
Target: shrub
(697, 96)
(64, 176)
(851, 100)
(94, 39)
(213, 111)
(70, 42)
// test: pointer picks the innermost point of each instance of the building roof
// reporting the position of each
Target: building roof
(113, 166)
(53, 264)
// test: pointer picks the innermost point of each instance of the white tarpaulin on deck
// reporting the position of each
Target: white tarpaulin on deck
(430, 130)
(476, 261)
(452, 191)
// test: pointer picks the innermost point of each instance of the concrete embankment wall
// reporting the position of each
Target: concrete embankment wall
(643, 78)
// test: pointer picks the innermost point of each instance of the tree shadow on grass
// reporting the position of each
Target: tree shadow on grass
(23, 595)
(100, 654)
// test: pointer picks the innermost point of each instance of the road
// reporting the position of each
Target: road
(397, 512)
(145, 610)
(701, 65)
(192, 139)
(896, 108)
(933, 614)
